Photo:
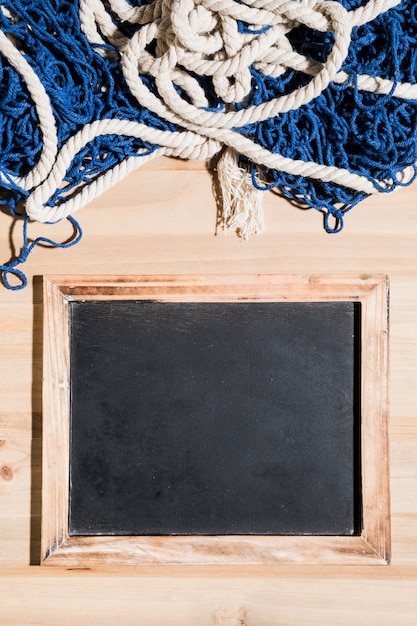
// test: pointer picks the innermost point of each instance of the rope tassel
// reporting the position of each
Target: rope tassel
(241, 201)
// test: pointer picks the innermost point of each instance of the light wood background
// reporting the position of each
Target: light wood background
(162, 219)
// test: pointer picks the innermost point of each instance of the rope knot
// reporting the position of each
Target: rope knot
(224, 41)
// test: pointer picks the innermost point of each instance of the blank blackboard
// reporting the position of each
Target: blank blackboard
(214, 418)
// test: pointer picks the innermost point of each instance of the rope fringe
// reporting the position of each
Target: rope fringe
(242, 202)
(318, 97)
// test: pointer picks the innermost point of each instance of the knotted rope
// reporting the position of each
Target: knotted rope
(317, 97)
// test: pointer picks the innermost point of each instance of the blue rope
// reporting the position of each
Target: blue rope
(27, 247)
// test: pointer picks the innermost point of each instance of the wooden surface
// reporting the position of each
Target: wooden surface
(162, 220)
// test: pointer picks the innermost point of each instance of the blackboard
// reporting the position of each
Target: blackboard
(214, 418)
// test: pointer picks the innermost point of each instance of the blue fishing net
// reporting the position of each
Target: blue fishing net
(370, 133)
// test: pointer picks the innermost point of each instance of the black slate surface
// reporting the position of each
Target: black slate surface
(214, 418)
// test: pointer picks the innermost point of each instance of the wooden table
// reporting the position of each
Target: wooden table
(162, 219)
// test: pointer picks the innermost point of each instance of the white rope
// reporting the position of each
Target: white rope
(201, 37)
(173, 146)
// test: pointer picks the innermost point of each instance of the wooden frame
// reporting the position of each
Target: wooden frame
(371, 547)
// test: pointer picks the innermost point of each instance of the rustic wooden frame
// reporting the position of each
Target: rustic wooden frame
(371, 547)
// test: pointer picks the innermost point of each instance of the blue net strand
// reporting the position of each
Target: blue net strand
(367, 133)
(12, 269)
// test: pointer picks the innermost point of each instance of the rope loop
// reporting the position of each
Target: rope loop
(6, 270)
(205, 38)
(337, 226)
(12, 269)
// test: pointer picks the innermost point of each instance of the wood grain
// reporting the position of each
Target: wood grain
(171, 231)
